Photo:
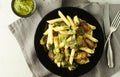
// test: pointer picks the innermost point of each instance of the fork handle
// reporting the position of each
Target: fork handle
(108, 39)
(110, 55)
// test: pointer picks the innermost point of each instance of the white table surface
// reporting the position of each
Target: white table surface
(12, 62)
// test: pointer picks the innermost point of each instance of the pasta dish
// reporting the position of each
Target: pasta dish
(69, 41)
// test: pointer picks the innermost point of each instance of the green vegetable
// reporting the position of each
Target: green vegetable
(73, 66)
(65, 64)
(51, 47)
(61, 23)
(59, 57)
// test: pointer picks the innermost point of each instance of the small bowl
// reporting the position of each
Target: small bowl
(23, 15)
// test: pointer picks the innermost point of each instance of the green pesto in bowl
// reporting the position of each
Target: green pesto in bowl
(23, 7)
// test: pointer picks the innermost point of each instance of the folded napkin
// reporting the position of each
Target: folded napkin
(24, 31)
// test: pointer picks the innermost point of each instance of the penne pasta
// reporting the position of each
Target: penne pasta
(66, 51)
(91, 38)
(72, 56)
(54, 20)
(60, 28)
(63, 18)
(67, 32)
(62, 44)
(71, 22)
(46, 32)
(86, 49)
(56, 42)
(76, 20)
(92, 27)
(50, 35)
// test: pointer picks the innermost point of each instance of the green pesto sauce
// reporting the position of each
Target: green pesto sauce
(23, 7)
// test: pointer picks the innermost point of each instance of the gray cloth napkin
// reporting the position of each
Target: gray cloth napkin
(24, 30)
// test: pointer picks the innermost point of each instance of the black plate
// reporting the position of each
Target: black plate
(42, 54)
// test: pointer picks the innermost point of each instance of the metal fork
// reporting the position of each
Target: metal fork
(114, 26)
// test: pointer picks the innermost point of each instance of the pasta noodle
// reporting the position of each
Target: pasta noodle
(54, 20)
(64, 18)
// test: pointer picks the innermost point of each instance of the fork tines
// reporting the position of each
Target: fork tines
(116, 20)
